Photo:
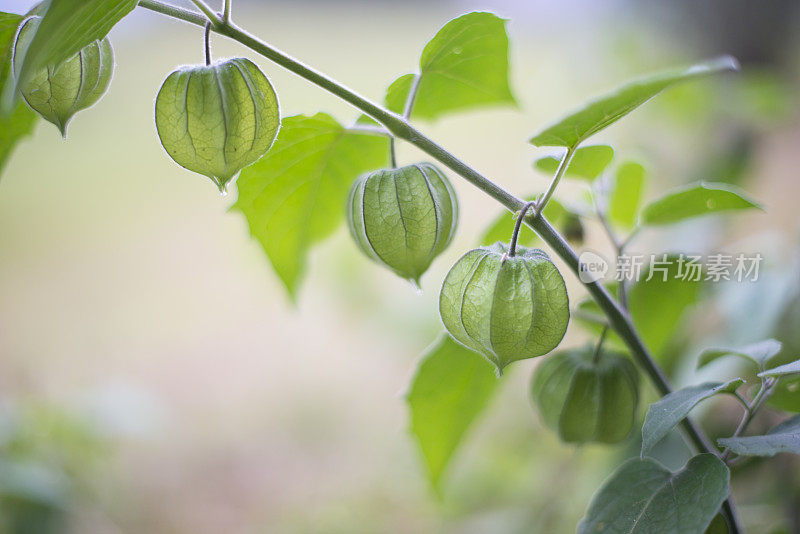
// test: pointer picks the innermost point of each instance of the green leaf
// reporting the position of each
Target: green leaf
(626, 193)
(295, 195)
(791, 368)
(19, 122)
(783, 438)
(664, 414)
(760, 353)
(642, 496)
(588, 162)
(657, 306)
(68, 26)
(451, 388)
(695, 200)
(597, 114)
(464, 66)
(503, 226)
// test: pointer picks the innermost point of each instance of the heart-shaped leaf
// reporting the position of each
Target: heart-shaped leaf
(451, 388)
(464, 66)
(664, 414)
(644, 497)
(597, 114)
(783, 438)
(295, 195)
(695, 200)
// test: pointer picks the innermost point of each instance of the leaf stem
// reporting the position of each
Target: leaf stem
(562, 168)
(750, 410)
(208, 12)
(512, 248)
(412, 97)
(399, 127)
(226, 12)
(407, 109)
(175, 12)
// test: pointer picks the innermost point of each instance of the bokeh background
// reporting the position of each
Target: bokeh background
(154, 376)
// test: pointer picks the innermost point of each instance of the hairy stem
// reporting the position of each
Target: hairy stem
(401, 128)
(208, 12)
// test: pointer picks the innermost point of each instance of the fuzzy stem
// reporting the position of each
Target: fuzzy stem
(207, 11)
(208, 43)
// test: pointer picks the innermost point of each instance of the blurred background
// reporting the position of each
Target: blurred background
(154, 376)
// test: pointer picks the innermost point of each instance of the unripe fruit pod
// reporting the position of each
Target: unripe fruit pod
(404, 217)
(59, 92)
(507, 308)
(587, 400)
(217, 119)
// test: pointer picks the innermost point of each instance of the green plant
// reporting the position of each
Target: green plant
(516, 307)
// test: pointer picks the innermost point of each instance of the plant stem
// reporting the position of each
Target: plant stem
(599, 346)
(400, 127)
(412, 96)
(208, 43)
(407, 108)
(392, 153)
(371, 130)
(751, 409)
(562, 168)
(226, 12)
(208, 12)
(512, 248)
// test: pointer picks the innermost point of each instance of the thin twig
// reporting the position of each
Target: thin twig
(764, 392)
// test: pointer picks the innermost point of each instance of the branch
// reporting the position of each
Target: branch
(401, 128)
